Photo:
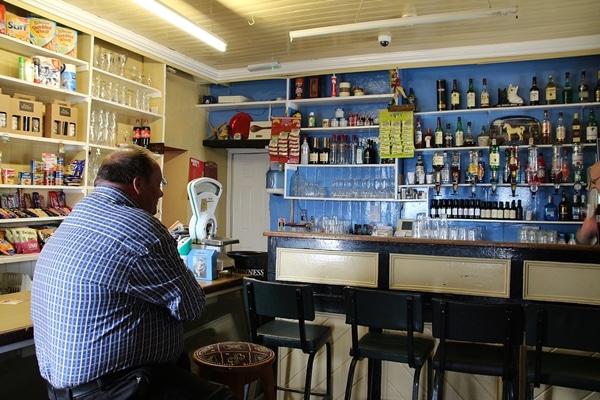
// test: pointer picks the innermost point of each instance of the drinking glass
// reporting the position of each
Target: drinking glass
(122, 60)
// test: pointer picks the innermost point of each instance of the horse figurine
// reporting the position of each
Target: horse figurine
(517, 130)
(513, 97)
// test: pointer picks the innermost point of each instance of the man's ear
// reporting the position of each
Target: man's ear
(137, 184)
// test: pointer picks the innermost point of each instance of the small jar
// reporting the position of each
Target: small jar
(339, 113)
(344, 89)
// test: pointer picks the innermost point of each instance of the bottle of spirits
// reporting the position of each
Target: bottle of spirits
(360, 153)
(438, 166)
(546, 129)
(369, 152)
(550, 210)
(484, 96)
(428, 139)
(541, 169)
(576, 208)
(480, 167)
(469, 139)
(439, 134)
(352, 150)
(591, 128)
(534, 93)
(483, 139)
(313, 156)
(412, 98)
(459, 134)
(561, 130)
(324, 153)
(420, 170)
(577, 163)
(455, 96)
(597, 89)
(304, 152)
(564, 208)
(576, 129)
(519, 210)
(342, 150)
(565, 168)
(556, 168)
(418, 135)
(446, 169)
(567, 93)
(455, 170)
(471, 95)
(550, 91)
(532, 163)
(471, 174)
(333, 150)
(584, 90)
(448, 138)
(494, 161)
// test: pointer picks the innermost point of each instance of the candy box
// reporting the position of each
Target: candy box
(203, 264)
(17, 27)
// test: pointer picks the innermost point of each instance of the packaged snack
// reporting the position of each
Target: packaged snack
(42, 33)
(17, 27)
(66, 41)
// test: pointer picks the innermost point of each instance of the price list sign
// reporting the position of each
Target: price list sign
(396, 134)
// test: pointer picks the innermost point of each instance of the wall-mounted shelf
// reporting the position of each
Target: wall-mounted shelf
(236, 144)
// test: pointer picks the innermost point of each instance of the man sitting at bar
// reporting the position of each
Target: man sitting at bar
(588, 232)
(110, 294)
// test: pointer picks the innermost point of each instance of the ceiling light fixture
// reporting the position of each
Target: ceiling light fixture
(402, 22)
(185, 24)
(265, 66)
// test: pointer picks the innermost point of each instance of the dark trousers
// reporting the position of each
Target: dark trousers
(149, 382)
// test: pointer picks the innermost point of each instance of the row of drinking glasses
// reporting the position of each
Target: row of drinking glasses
(531, 234)
(438, 228)
(106, 60)
(332, 224)
(112, 91)
(103, 127)
(381, 188)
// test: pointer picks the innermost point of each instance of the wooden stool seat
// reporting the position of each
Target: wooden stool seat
(237, 363)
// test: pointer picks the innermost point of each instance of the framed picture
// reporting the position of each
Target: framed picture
(203, 264)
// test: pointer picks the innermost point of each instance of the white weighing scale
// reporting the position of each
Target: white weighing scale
(204, 194)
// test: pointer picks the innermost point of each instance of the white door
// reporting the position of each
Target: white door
(249, 200)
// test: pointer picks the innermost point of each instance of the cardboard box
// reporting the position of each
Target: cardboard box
(25, 115)
(42, 33)
(2, 19)
(203, 264)
(17, 27)
(66, 41)
(60, 121)
(234, 99)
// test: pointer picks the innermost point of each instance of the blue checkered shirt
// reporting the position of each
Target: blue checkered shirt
(109, 291)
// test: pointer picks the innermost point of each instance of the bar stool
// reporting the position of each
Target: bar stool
(237, 363)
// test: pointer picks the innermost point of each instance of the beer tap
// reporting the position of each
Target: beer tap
(513, 166)
(532, 167)
(556, 170)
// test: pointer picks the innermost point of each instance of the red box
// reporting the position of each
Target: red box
(285, 140)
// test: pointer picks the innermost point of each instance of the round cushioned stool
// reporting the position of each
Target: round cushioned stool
(237, 363)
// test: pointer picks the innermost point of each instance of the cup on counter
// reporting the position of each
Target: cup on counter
(410, 178)
(429, 179)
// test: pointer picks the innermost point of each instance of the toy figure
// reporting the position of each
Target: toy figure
(396, 86)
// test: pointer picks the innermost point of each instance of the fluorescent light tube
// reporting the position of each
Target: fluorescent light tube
(186, 25)
(265, 66)
(401, 22)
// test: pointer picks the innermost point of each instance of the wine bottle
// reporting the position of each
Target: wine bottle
(428, 139)
(455, 96)
(550, 91)
(313, 155)
(439, 134)
(584, 90)
(471, 95)
(324, 153)
(534, 93)
(459, 134)
(418, 135)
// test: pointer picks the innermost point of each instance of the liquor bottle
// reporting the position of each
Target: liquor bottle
(137, 133)
(312, 121)
(584, 208)
(591, 128)
(577, 163)
(576, 129)
(342, 150)
(333, 150)
(532, 163)
(455, 96)
(550, 91)
(584, 90)
(412, 98)
(448, 138)
(550, 210)
(483, 139)
(564, 208)
(313, 155)
(546, 129)
(324, 153)
(438, 166)
(484, 96)
(471, 95)
(480, 167)
(459, 134)
(441, 94)
(534, 93)
(565, 168)
(360, 153)
(420, 170)
(494, 161)
(428, 139)
(418, 135)
(471, 174)
(352, 150)
(567, 93)
(304, 152)
(597, 89)
(439, 134)
(469, 139)
(368, 153)
(561, 130)
(541, 169)
(446, 169)
(146, 133)
(576, 208)
(506, 167)
(455, 171)
(519, 210)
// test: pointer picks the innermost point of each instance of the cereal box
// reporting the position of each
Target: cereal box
(66, 41)
(17, 27)
(2, 19)
(42, 33)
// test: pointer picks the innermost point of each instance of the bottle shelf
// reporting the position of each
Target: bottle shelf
(521, 146)
(320, 101)
(242, 106)
(511, 221)
(493, 110)
(338, 129)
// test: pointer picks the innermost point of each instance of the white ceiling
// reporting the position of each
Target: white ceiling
(257, 31)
